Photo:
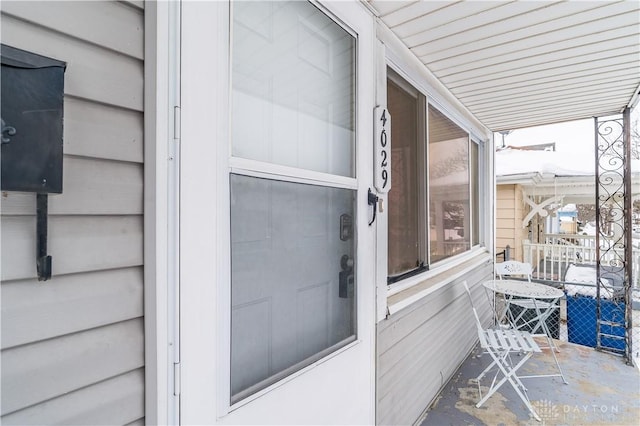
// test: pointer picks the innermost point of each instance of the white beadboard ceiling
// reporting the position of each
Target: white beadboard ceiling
(516, 64)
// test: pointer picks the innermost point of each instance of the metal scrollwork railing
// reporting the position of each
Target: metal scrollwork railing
(613, 256)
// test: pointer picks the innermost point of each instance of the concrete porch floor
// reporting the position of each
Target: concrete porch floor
(602, 390)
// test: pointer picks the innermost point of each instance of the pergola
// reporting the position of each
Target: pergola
(519, 64)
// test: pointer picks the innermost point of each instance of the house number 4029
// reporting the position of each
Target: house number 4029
(382, 141)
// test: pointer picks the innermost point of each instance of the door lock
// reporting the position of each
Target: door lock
(346, 278)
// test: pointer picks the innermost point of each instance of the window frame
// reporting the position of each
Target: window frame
(404, 281)
(477, 205)
(421, 175)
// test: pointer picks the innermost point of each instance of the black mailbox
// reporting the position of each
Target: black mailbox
(32, 113)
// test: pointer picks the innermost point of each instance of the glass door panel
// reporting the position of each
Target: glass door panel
(293, 87)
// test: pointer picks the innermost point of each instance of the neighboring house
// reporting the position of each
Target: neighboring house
(510, 212)
(527, 177)
(537, 190)
(236, 242)
(566, 221)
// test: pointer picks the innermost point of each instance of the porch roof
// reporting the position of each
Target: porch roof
(519, 64)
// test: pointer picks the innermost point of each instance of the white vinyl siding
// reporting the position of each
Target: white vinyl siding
(73, 346)
(416, 350)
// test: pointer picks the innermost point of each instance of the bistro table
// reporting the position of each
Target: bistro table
(543, 299)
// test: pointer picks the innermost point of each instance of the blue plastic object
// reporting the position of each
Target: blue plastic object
(581, 322)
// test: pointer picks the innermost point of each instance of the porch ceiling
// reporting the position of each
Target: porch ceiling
(516, 64)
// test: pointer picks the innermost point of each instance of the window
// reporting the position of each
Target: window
(406, 248)
(433, 202)
(292, 189)
(475, 193)
(449, 187)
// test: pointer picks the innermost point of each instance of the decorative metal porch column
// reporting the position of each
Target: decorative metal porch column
(613, 235)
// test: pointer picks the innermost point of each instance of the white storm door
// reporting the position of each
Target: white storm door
(292, 190)
(273, 222)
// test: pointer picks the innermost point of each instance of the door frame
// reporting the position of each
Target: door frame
(161, 82)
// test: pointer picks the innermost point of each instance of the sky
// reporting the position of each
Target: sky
(569, 136)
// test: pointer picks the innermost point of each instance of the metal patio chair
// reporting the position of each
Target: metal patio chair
(533, 313)
(500, 344)
(514, 268)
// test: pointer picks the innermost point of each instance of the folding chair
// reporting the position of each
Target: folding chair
(500, 344)
(515, 268)
(533, 312)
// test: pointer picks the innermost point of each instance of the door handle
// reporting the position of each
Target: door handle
(372, 200)
(346, 278)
